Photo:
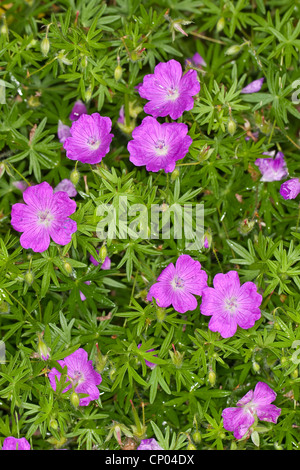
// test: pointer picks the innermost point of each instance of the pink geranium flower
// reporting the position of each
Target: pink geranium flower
(254, 405)
(169, 92)
(290, 189)
(149, 444)
(81, 374)
(178, 284)
(272, 169)
(67, 186)
(230, 305)
(12, 443)
(253, 87)
(45, 214)
(90, 138)
(159, 146)
(78, 109)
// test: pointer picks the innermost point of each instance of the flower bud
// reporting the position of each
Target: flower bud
(197, 437)
(2, 169)
(43, 350)
(102, 253)
(233, 50)
(75, 399)
(233, 445)
(212, 377)
(101, 360)
(231, 126)
(175, 174)
(191, 446)
(29, 278)
(255, 366)
(45, 46)
(68, 268)
(75, 177)
(53, 424)
(118, 73)
(160, 314)
(4, 307)
(88, 93)
(220, 24)
(294, 374)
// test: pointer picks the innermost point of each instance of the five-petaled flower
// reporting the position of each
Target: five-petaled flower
(230, 305)
(253, 406)
(177, 285)
(149, 444)
(169, 92)
(12, 443)
(272, 169)
(81, 375)
(158, 146)
(90, 138)
(45, 214)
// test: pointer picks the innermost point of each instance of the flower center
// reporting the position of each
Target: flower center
(178, 283)
(77, 378)
(172, 93)
(231, 304)
(161, 148)
(45, 217)
(93, 143)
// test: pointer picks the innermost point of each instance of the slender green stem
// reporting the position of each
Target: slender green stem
(126, 107)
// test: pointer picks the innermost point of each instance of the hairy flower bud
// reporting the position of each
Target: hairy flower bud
(118, 73)
(43, 350)
(29, 278)
(45, 46)
(68, 268)
(231, 126)
(53, 423)
(197, 437)
(212, 377)
(75, 177)
(220, 24)
(102, 253)
(175, 174)
(233, 50)
(75, 399)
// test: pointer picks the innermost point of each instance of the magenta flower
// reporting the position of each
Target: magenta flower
(230, 305)
(67, 186)
(44, 215)
(196, 60)
(78, 109)
(82, 296)
(169, 92)
(254, 86)
(206, 243)
(81, 374)
(254, 405)
(63, 131)
(272, 169)
(158, 146)
(105, 265)
(149, 444)
(149, 364)
(177, 284)
(12, 443)
(90, 138)
(290, 189)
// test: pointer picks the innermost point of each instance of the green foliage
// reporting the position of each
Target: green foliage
(254, 230)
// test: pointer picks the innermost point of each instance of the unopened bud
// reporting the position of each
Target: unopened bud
(118, 73)
(102, 253)
(197, 437)
(191, 446)
(45, 46)
(220, 24)
(256, 366)
(233, 446)
(53, 423)
(75, 177)
(231, 126)
(29, 278)
(100, 360)
(68, 268)
(75, 399)
(43, 350)
(233, 50)
(4, 29)
(294, 374)
(2, 169)
(160, 314)
(175, 174)
(212, 378)
(88, 94)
